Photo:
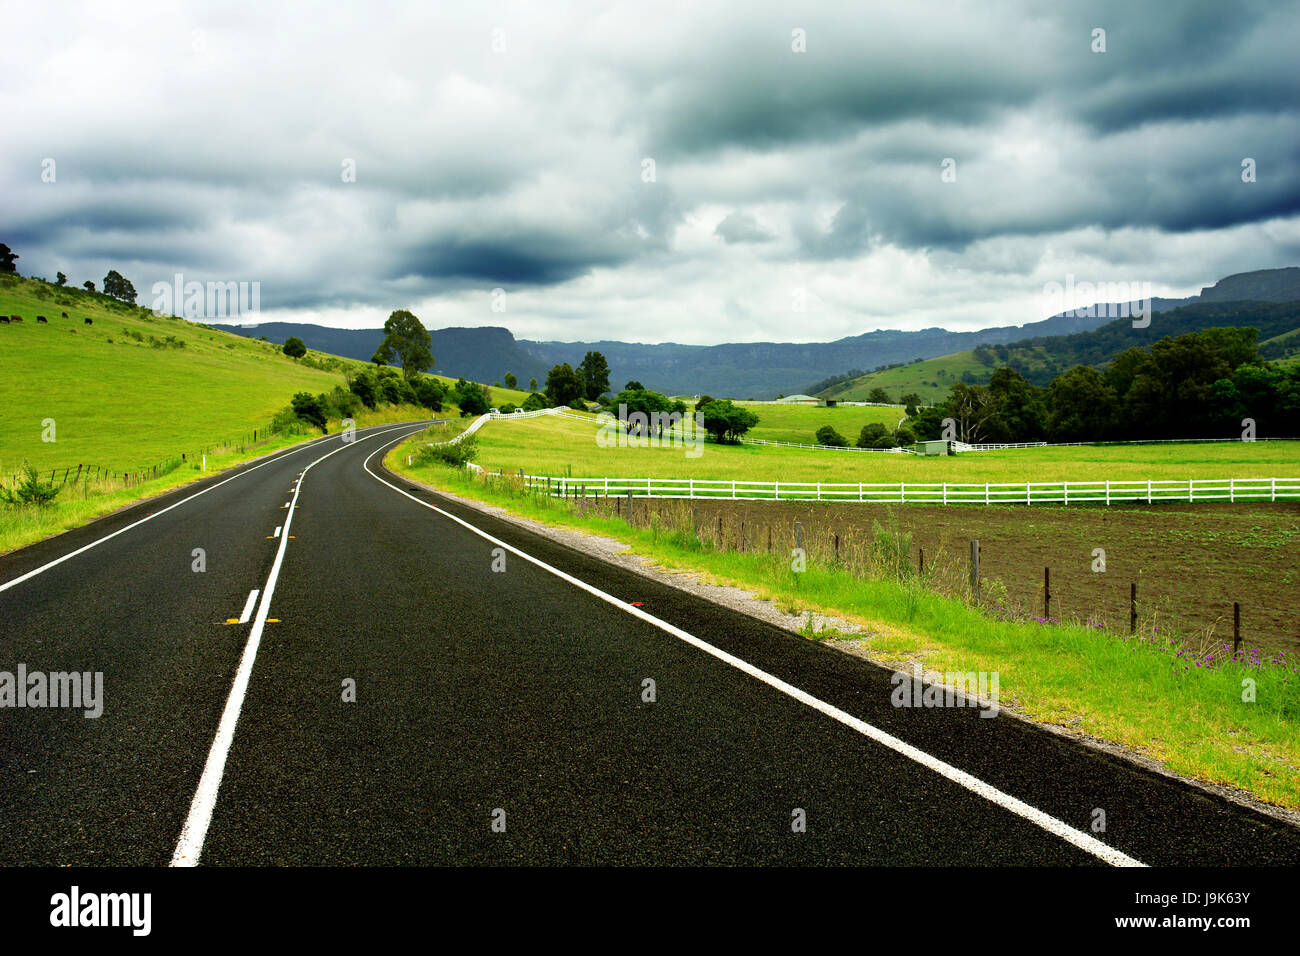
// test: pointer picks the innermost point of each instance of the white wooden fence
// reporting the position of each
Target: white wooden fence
(1152, 491)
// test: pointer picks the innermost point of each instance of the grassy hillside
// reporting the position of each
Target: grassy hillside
(799, 423)
(133, 388)
(930, 379)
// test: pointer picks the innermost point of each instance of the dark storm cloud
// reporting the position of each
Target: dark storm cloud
(220, 143)
(741, 227)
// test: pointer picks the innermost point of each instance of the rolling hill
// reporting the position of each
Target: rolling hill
(759, 370)
(1042, 359)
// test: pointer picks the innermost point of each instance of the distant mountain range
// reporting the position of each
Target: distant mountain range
(741, 370)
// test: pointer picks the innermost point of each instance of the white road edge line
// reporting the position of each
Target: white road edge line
(248, 606)
(189, 846)
(84, 548)
(1051, 824)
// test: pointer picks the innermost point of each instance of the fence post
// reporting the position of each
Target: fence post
(1236, 628)
(837, 549)
(1047, 593)
(798, 535)
(975, 568)
(629, 506)
(921, 569)
(1133, 607)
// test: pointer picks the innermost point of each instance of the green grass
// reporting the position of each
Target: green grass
(133, 392)
(81, 502)
(124, 404)
(799, 423)
(930, 379)
(1128, 692)
(567, 446)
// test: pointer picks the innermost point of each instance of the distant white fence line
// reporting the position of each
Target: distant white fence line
(794, 444)
(1151, 491)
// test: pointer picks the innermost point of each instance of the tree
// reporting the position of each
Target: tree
(594, 372)
(827, 435)
(60, 279)
(649, 403)
(7, 259)
(471, 398)
(1021, 408)
(294, 347)
(973, 408)
(510, 379)
(879, 396)
(726, 421)
(1083, 405)
(119, 287)
(407, 340)
(563, 385)
(535, 402)
(532, 385)
(88, 286)
(633, 386)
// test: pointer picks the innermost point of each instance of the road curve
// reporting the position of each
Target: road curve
(500, 716)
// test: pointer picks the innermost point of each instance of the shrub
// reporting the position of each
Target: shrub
(362, 386)
(456, 454)
(309, 408)
(871, 434)
(827, 435)
(891, 548)
(429, 392)
(30, 490)
(535, 402)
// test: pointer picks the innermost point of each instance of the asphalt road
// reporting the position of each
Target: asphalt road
(499, 716)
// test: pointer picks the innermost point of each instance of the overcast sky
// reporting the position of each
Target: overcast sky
(506, 146)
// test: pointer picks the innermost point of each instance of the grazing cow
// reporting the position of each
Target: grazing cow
(15, 318)
(88, 322)
(65, 315)
(4, 319)
(41, 318)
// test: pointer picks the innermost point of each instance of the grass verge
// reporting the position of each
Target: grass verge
(81, 502)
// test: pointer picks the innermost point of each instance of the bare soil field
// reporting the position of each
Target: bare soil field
(1190, 562)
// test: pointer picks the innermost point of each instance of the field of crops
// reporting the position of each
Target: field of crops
(567, 447)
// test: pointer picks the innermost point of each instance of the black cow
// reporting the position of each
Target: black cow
(4, 319)
(41, 318)
(65, 315)
(88, 322)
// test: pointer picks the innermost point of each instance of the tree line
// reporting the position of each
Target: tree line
(1202, 384)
